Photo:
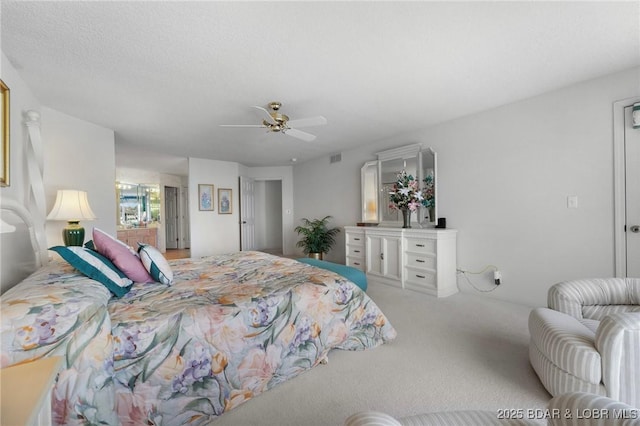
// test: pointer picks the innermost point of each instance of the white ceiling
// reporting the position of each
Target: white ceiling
(165, 75)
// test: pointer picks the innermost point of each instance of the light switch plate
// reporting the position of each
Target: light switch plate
(572, 201)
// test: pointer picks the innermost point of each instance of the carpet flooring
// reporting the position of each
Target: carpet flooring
(463, 352)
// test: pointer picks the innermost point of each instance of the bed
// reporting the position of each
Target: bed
(229, 328)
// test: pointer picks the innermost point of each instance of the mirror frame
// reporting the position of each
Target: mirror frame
(406, 152)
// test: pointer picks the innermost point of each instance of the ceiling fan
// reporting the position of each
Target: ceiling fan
(274, 121)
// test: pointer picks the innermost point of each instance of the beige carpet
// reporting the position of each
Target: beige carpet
(462, 352)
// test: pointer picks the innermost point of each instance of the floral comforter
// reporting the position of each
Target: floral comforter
(229, 328)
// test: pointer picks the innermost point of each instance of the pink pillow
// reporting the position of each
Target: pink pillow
(121, 255)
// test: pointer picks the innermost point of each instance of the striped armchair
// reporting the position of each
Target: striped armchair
(589, 338)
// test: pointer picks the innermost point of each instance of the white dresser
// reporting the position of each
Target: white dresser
(423, 260)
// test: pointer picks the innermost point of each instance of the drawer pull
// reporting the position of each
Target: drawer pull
(356, 239)
(419, 260)
(356, 263)
(419, 245)
(420, 276)
(356, 251)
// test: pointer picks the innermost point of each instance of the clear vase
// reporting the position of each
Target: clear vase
(406, 218)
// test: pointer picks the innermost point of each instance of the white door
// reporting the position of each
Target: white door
(247, 214)
(632, 198)
(171, 216)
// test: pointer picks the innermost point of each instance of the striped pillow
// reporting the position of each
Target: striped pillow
(155, 263)
(97, 267)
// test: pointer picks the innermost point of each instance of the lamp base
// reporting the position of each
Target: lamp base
(73, 234)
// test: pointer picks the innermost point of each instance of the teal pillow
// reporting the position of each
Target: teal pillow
(155, 263)
(97, 267)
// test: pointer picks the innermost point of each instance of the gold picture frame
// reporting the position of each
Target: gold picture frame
(205, 197)
(225, 201)
(4, 134)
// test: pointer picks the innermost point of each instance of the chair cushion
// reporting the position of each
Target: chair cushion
(567, 343)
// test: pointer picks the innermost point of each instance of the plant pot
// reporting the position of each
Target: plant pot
(317, 256)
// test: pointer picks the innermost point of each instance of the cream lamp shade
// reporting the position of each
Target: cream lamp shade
(73, 206)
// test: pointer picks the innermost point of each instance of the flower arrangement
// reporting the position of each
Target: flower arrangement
(405, 194)
(428, 192)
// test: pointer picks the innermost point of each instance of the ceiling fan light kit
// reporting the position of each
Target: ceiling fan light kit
(277, 122)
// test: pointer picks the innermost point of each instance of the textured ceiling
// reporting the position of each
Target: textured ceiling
(165, 75)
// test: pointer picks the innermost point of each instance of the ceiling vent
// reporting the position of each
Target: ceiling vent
(335, 158)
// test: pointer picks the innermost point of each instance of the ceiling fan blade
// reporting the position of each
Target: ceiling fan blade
(307, 122)
(267, 114)
(242, 125)
(308, 137)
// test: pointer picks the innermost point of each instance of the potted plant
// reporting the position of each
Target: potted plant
(317, 238)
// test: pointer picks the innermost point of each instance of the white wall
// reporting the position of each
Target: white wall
(211, 232)
(79, 155)
(503, 179)
(22, 100)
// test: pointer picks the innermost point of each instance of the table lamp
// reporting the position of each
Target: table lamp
(72, 206)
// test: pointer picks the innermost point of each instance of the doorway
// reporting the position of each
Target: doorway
(261, 204)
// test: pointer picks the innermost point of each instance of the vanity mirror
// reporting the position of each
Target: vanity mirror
(139, 204)
(378, 177)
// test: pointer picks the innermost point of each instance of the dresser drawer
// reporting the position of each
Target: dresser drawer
(420, 261)
(420, 245)
(417, 279)
(355, 239)
(356, 262)
(355, 251)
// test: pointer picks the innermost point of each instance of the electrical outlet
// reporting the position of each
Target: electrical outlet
(497, 277)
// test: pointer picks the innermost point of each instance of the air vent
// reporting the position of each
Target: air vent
(335, 158)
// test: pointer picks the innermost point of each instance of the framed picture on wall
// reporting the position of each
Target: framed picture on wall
(224, 201)
(4, 134)
(205, 197)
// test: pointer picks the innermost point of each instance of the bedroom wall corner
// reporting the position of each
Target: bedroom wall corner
(211, 232)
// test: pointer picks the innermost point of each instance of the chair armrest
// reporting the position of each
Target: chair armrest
(587, 409)
(618, 341)
(566, 342)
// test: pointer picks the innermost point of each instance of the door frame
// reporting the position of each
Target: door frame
(620, 190)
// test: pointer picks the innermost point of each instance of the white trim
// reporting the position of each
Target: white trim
(619, 189)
